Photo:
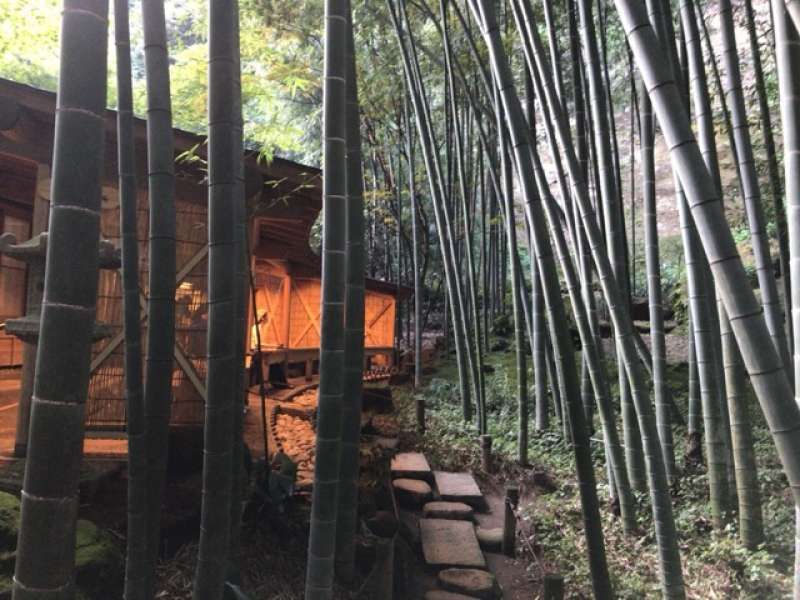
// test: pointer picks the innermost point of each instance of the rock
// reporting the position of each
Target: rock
(472, 582)
(448, 543)
(9, 521)
(442, 595)
(491, 540)
(411, 465)
(383, 524)
(409, 528)
(447, 510)
(459, 487)
(99, 562)
(412, 493)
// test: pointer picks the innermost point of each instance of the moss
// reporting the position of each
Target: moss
(98, 562)
(9, 521)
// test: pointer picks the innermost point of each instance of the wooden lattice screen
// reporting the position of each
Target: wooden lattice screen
(106, 404)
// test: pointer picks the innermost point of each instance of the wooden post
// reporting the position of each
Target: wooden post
(420, 404)
(486, 453)
(41, 213)
(286, 305)
(510, 521)
(553, 588)
(309, 369)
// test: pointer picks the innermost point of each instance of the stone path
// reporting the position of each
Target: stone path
(411, 465)
(444, 527)
(459, 487)
(449, 543)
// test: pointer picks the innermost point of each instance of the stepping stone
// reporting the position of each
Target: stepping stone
(412, 493)
(442, 595)
(490, 540)
(459, 487)
(447, 510)
(411, 465)
(447, 543)
(471, 582)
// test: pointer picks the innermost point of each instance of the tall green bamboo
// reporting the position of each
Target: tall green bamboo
(241, 268)
(325, 497)
(135, 555)
(750, 186)
(45, 553)
(215, 520)
(591, 354)
(787, 58)
(653, 268)
(793, 10)
(612, 217)
(562, 344)
(755, 343)
(749, 503)
(712, 419)
(347, 520)
(776, 189)
(472, 293)
(507, 189)
(436, 183)
(539, 365)
(669, 556)
(415, 241)
(161, 260)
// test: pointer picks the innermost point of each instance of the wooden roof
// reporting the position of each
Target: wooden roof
(284, 196)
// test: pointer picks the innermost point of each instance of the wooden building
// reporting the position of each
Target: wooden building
(284, 201)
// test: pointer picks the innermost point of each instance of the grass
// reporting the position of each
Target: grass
(715, 564)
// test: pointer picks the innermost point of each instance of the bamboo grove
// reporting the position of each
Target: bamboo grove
(490, 178)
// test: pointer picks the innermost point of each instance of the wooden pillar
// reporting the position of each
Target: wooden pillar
(510, 521)
(41, 213)
(286, 300)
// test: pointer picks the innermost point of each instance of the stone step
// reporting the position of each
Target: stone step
(459, 487)
(447, 543)
(470, 582)
(411, 465)
(490, 540)
(448, 510)
(412, 493)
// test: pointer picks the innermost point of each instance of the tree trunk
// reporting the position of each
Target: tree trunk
(353, 326)
(325, 495)
(45, 552)
(653, 267)
(787, 55)
(215, 520)
(562, 344)
(136, 554)
(762, 361)
(161, 284)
